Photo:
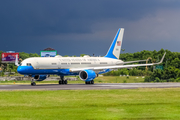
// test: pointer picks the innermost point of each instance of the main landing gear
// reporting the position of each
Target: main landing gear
(62, 81)
(90, 82)
(32, 82)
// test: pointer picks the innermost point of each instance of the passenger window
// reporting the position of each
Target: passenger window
(74, 63)
(103, 62)
(28, 64)
(86, 63)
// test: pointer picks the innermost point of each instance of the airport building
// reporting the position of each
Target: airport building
(48, 52)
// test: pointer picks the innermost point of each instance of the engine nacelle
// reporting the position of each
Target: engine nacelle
(87, 75)
(40, 77)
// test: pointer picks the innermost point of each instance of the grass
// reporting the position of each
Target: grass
(133, 104)
(100, 79)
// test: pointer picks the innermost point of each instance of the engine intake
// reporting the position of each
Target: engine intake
(87, 75)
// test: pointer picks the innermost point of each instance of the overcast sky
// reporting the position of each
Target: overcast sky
(74, 27)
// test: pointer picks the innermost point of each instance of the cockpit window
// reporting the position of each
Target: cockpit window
(28, 64)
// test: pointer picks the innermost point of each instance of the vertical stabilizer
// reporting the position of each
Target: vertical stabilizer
(115, 48)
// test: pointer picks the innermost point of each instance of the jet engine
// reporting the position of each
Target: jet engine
(87, 75)
(40, 77)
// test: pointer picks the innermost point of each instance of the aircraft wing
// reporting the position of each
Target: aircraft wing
(133, 61)
(115, 67)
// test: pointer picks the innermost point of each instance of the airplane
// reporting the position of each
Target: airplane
(87, 68)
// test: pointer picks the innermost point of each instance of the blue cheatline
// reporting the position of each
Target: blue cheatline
(29, 70)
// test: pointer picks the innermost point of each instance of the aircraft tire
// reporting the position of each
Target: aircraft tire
(33, 84)
(65, 82)
(89, 82)
(60, 82)
(92, 82)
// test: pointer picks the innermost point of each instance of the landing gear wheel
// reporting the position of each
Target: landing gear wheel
(92, 82)
(33, 83)
(60, 82)
(87, 82)
(65, 82)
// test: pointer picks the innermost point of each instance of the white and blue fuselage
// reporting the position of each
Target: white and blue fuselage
(63, 65)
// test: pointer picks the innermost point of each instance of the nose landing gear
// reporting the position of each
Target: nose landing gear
(32, 82)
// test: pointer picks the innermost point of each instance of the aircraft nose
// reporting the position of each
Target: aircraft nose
(21, 69)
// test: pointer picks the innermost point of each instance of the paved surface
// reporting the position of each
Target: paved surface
(89, 87)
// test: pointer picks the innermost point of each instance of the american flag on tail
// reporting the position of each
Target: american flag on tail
(118, 43)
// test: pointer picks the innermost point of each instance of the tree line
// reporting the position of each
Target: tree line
(171, 65)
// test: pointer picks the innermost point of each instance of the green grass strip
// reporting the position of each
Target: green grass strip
(133, 104)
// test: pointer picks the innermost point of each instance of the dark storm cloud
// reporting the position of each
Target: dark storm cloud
(42, 17)
(29, 22)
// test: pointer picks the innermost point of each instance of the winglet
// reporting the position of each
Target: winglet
(16, 61)
(161, 59)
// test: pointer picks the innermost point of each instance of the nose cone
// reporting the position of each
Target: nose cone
(21, 69)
